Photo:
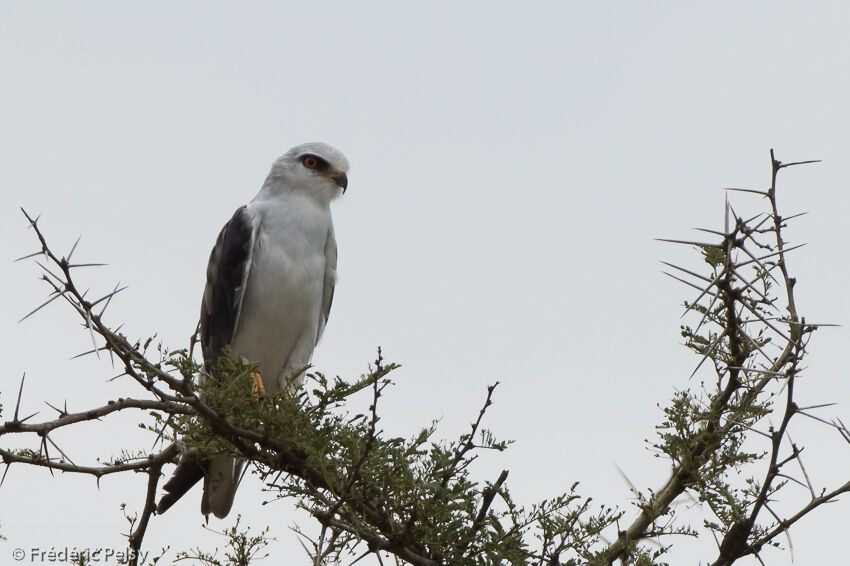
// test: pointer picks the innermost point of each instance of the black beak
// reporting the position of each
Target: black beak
(341, 180)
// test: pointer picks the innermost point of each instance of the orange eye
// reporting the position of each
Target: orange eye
(310, 162)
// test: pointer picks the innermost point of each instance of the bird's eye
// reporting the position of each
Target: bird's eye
(310, 162)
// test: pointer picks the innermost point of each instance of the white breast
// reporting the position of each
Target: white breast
(282, 305)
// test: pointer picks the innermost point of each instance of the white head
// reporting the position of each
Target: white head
(315, 168)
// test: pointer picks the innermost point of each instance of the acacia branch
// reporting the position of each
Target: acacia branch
(170, 407)
(140, 464)
(723, 286)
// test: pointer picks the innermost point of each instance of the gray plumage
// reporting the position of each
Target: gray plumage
(270, 285)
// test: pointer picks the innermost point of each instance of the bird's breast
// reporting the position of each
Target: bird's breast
(282, 304)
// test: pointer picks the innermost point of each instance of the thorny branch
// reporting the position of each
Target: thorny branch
(732, 350)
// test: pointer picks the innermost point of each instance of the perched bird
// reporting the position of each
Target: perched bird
(270, 283)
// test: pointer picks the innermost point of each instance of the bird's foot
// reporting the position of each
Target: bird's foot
(257, 387)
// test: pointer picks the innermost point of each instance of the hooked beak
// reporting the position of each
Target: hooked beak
(341, 179)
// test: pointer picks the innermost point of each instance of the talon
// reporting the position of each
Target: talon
(257, 387)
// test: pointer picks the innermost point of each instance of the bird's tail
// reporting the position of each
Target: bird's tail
(221, 479)
(187, 474)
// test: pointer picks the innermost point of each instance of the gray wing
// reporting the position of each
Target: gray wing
(330, 281)
(227, 275)
(227, 278)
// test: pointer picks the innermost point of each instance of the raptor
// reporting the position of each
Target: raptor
(270, 284)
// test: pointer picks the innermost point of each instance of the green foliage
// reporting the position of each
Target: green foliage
(241, 549)
(369, 488)
(713, 255)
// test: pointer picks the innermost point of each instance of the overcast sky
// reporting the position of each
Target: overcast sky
(511, 165)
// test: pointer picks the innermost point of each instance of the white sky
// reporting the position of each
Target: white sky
(510, 169)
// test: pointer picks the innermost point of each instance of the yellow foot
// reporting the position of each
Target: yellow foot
(257, 387)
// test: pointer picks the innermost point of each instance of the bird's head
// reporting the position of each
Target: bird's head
(314, 168)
